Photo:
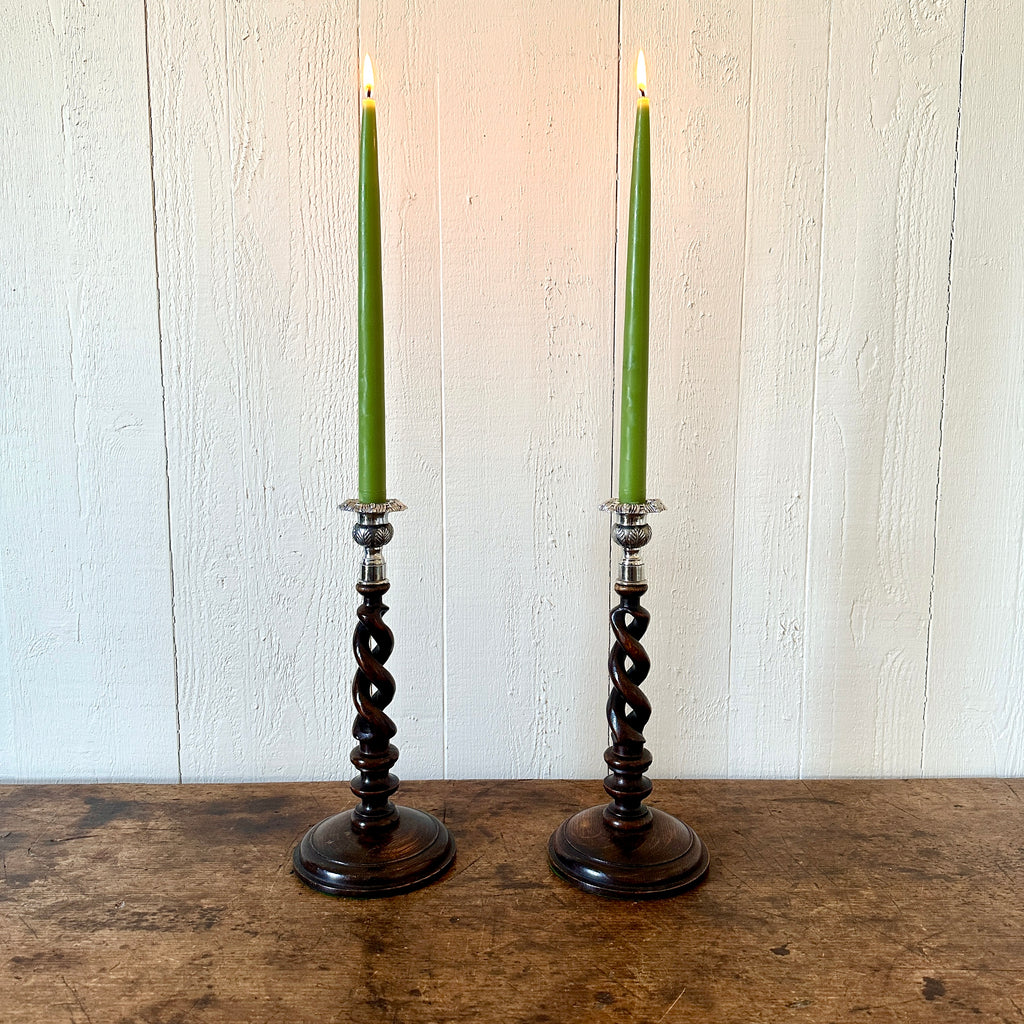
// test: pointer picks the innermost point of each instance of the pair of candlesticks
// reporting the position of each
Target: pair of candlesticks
(624, 849)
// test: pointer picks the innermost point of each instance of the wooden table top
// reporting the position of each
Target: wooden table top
(827, 901)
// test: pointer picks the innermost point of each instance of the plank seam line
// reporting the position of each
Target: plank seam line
(814, 406)
(214, 758)
(739, 382)
(942, 399)
(163, 391)
(443, 431)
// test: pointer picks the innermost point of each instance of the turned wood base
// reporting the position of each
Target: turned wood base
(336, 859)
(661, 860)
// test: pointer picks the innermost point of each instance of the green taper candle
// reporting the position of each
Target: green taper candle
(633, 425)
(372, 471)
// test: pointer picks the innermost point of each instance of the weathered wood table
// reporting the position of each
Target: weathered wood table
(827, 901)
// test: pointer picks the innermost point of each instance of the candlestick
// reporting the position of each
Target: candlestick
(635, 337)
(377, 848)
(372, 468)
(627, 849)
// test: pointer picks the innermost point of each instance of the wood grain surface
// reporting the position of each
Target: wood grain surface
(85, 580)
(771, 616)
(697, 229)
(977, 623)
(892, 120)
(529, 172)
(842, 901)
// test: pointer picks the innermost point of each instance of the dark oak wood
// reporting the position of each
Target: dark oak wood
(663, 859)
(374, 849)
(625, 849)
(847, 901)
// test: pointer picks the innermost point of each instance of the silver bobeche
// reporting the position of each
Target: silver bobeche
(371, 532)
(631, 532)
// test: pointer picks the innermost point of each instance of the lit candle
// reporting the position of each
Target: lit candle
(372, 473)
(633, 425)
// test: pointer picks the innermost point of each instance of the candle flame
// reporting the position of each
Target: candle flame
(367, 76)
(641, 73)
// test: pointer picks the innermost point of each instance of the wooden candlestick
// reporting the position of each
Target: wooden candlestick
(377, 848)
(626, 849)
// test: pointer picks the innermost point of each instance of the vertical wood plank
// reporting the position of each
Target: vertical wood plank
(261, 144)
(255, 154)
(292, 82)
(86, 659)
(785, 185)
(527, 178)
(200, 324)
(975, 716)
(698, 65)
(893, 93)
(199, 317)
(403, 39)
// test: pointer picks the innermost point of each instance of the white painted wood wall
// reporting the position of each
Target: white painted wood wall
(837, 410)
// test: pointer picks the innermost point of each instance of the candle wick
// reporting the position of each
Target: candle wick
(368, 91)
(643, 93)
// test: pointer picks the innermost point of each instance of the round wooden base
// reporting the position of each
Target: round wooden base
(662, 860)
(340, 861)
